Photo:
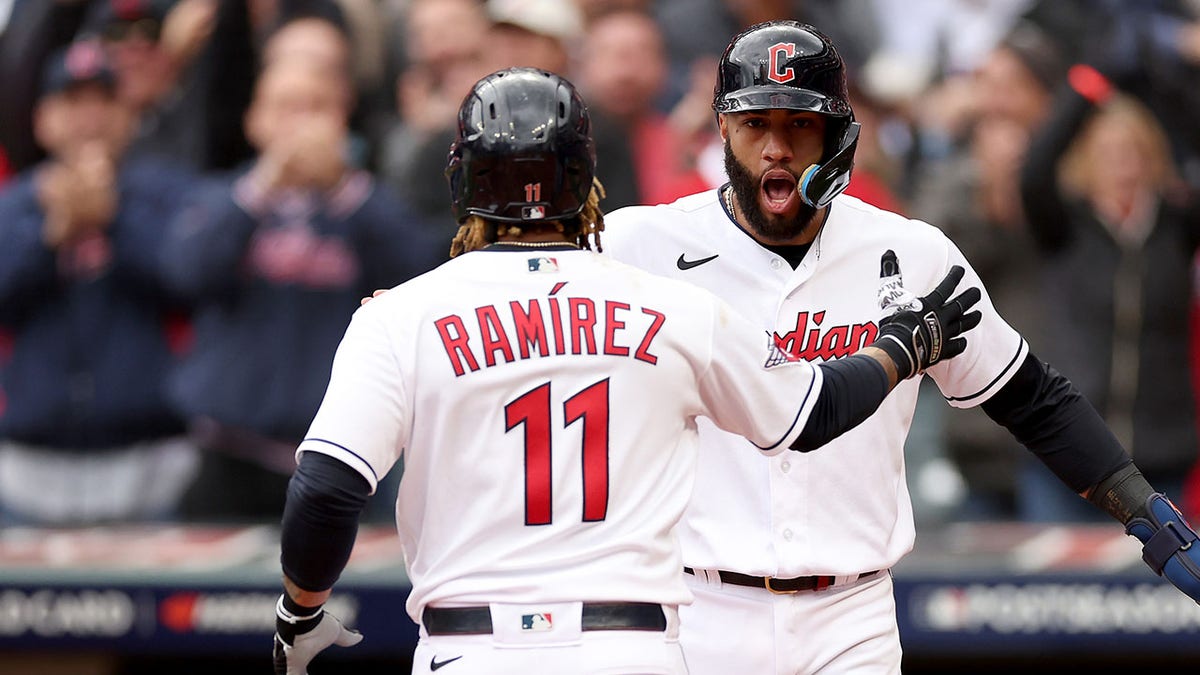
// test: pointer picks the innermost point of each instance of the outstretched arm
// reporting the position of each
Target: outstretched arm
(320, 523)
(1048, 415)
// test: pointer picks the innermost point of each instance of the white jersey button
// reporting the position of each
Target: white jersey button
(776, 264)
(787, 534)
(785, 466)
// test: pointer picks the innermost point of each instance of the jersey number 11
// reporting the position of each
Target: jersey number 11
(532, 409)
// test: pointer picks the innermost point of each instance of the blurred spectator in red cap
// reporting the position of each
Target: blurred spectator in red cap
(84, 128)
(86, 434)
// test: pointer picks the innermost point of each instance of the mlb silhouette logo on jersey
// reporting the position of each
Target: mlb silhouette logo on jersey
(543, 265)
(540, 621)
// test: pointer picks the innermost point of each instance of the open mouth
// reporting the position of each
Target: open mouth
(778, 191)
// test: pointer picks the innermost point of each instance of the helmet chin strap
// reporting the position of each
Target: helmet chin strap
(820, 183)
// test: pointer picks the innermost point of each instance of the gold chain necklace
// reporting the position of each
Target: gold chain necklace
(534, 244)
(727, 193)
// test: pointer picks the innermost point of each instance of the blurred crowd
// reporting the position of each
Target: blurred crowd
(194, 195)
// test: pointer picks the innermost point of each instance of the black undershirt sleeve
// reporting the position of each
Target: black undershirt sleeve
(320, 520)
(1048, 415)
(853, 389)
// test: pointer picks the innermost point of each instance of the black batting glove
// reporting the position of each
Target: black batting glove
(301, 633)
(927, 330)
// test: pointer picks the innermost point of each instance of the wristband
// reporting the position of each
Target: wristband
(901, 357)
(1124, 494)
(287, 610)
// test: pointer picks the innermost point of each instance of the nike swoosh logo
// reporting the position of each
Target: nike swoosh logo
(689, 264)
(434, 664)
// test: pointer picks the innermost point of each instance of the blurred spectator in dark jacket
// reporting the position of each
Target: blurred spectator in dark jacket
(622, 71)
(971, 190)
(1118, 231)
(367, 23)
(277, 259)
(184, 67)
(642, 157)
(1159, 40)
(86, 434)
(497, 34)
(321, 31)
(152, 44)
(437, 73)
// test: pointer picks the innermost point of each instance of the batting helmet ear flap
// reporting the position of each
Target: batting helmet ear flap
(820, 183)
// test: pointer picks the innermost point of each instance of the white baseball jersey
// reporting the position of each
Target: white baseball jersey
(844, 508)
(544, 402)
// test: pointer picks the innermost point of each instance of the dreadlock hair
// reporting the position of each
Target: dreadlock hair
(476, 231)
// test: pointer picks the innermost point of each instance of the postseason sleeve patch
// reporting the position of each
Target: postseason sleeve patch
(776, 355)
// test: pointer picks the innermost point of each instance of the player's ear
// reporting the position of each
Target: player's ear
(721, 124)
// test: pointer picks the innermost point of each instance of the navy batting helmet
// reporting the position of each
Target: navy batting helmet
(524, 149)
(791, 65)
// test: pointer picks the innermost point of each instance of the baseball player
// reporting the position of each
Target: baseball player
(788, 559)
(544, 399)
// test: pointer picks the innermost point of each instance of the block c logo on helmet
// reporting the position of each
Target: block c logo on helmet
(776, 74)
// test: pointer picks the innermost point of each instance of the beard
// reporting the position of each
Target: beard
(768, 226)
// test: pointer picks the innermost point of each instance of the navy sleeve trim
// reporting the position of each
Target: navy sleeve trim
(799, 411)
(348, 451)
(1004, 371)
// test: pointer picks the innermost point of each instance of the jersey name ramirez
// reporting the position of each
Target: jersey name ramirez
(823, 343)
(576, 326)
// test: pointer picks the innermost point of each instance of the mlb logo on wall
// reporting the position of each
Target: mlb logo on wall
(543, 265)
(540, 621)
